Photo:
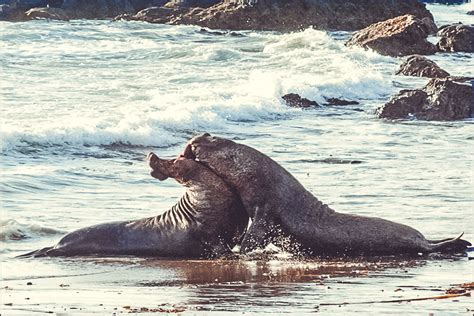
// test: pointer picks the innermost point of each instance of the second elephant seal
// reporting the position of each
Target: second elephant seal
(280, 206)
(206, 222)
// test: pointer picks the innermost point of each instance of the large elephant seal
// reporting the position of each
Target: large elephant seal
(280, 206)
(206, 222)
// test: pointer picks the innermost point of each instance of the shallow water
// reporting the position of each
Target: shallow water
(83, 102)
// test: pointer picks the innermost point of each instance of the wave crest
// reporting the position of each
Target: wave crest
(11, 229)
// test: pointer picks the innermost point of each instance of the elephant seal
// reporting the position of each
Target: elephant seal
(206, 222)
(285, 213)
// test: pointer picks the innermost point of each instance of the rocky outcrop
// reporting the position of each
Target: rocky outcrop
(296, 101)
(152, 15)
(400, 36)
(420, 66)
(440, 100)
(285, 16)
(430, 25)
(47, 13)
(13, 14)
(96, 9)
(456, 38)
(470, 12)
(339, 102)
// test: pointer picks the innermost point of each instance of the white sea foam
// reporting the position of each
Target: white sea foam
(468, 6)
(452, 14)
(152, 88)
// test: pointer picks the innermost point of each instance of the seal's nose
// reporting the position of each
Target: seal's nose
(158, 166)
(150, 154)
(153, 160)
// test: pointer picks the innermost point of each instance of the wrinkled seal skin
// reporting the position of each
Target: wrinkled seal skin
(206, 222)
(280, 206)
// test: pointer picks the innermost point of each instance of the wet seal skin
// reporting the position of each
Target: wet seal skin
(206, 222)
(283, 212)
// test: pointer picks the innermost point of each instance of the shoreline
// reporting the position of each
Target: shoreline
(155, 286)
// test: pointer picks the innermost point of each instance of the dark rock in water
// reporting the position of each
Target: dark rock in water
(470, 12)
(295, 100)
(8, 13)
(337, 101)
(431, 27)
(419, 66)
(405, 103)
(400, 36)
(286, 16)
(47, 13)
(153, 15)
(96, 9)
(440, 100)
(456, 38)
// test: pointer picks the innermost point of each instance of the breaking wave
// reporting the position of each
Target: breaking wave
(10, 229)
(155, 86)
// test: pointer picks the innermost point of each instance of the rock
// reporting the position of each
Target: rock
(430, 26)
(287, 16)
(152, 15)
(96, 9)
(440, 100)
(26, 4)
(295, 100)
(400, 36)
(339, 102)
(12, 14)
(47, 13)
(419, 66)
(470, 12)
(456, 38)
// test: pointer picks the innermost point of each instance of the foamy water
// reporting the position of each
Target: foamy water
(83, 102)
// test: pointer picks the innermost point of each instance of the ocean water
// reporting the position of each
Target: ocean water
(83, 102)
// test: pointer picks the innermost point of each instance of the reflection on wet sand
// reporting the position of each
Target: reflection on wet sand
(239, 271)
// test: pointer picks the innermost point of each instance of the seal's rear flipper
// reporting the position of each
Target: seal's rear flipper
(452, 245)
(44, 252)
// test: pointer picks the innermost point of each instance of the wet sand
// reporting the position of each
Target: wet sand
(130, 285)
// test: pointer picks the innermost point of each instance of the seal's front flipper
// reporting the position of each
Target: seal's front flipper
(451, 245)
